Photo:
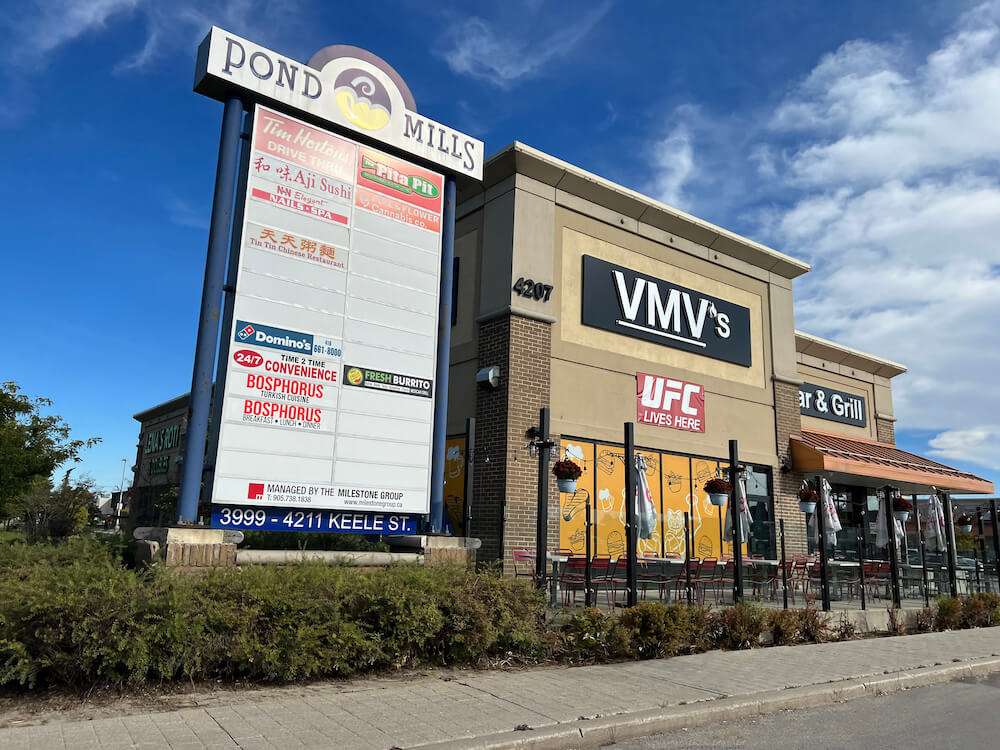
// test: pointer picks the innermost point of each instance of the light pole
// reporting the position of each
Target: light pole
(121, 497)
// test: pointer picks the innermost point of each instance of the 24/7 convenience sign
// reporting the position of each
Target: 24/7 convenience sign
(332, 354)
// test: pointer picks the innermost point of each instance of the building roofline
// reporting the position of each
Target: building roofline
(170, 405)
(815, 346)
(519, 158)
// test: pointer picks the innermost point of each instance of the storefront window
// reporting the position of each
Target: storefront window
(675, 483)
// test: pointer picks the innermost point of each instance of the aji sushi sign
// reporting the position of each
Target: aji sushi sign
(343, 85)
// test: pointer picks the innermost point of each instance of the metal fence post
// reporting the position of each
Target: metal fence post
(631, 541)
(824, 578)
(784, 568)
(923, 551)
(996, 540)
(589, 595)
(470, 474)
(949, 526)
(859, 538)
(893, 550)
(982, 548)
(688, 539)
(542, 511)
(736, 515)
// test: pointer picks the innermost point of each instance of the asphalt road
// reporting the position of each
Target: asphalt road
(963, 714)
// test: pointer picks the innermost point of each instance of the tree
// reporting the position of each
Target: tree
(49, 512)
(32, 445)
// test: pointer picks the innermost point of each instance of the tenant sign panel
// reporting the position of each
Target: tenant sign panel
(630, 303)
(828, 403)
(668, 402)
(328, 403)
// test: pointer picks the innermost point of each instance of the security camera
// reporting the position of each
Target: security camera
(489, 375)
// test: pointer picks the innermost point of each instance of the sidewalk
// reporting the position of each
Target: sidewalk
(562, 706)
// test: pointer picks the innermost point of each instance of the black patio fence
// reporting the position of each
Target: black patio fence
(860, 569)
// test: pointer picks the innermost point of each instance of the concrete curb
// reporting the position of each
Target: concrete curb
(611, 729)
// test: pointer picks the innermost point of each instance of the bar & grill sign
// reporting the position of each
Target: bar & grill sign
(827, 403)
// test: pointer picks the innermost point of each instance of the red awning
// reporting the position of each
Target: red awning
(867, 459)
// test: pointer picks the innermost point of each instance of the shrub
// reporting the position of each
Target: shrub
(591, 634)
(949, 613)
(737, 627)
(652, 630)
(981, 611)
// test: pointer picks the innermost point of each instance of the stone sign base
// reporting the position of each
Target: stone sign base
(438, 550)
(185, 547)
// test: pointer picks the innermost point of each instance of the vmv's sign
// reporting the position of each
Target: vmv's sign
(624, 301)
(666, 402)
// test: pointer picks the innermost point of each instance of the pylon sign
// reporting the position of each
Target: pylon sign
(327, 416)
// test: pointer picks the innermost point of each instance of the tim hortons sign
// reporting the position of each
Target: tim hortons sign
(343, 85)
(633, 304)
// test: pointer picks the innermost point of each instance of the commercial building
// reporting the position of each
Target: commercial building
(608, 307)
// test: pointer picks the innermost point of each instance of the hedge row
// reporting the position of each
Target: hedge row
(72, 615)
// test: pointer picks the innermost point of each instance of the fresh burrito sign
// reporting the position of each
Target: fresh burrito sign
(342, 85)
(827, 403)
(633, 304)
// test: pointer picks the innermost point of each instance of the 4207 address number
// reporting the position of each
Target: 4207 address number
(534, 289)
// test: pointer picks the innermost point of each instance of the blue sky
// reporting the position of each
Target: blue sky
(863, 137)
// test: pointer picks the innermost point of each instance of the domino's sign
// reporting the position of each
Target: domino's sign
(273, 338)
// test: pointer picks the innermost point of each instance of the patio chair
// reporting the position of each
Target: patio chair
(601, 574)
(572, 578)
(649, 573)
(725, 580)
(524, 563)
(763, 577)
(706, 577)
(680, 580)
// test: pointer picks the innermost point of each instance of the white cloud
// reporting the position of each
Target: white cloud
(674, 158)
(978, 444)
(476, 48)
(891, 171)
(184, 214)
(42, 29)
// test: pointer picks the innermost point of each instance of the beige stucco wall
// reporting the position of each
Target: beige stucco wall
(593, 371)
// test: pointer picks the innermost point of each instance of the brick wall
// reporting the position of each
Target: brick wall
(530, 376)
(788, 421)
(508, 483)
(885, 431)
(490, 481)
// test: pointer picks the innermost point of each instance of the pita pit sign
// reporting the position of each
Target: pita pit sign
(666, 402)
(342, 85)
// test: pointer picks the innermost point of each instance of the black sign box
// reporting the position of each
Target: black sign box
(633, 304)
(837, 406)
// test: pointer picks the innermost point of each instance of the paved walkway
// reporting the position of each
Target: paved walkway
(409, 711)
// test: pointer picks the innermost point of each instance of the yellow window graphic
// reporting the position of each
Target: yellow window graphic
(676, 476)
(610, 505)
(454, 483)
(652, 547)
(572, 506)
(706, 521)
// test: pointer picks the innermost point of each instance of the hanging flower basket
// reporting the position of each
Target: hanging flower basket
(901, 508)
(808, 497)
(964, 524)
(566, 473)
(566, 485)
(718, 491)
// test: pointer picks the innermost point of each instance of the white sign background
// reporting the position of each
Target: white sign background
(339, 275)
